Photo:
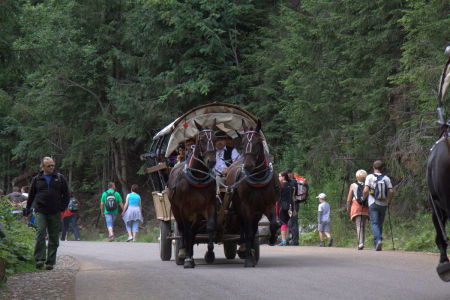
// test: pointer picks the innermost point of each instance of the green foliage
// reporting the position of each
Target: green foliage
(16, 248)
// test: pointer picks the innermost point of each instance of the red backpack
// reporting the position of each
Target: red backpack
(302, 188)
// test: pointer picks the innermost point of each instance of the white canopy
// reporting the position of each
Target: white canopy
(228, 119)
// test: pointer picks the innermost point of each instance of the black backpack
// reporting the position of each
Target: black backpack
(110, 203)
(359, 194)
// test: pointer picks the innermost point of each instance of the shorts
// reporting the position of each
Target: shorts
(324, 226)
(110, 218)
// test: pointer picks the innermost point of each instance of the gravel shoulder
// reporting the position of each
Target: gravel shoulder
(36, 285)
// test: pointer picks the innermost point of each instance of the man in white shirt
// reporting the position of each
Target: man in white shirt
(378, 188)
(224, 158)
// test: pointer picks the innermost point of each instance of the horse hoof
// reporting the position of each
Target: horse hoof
(443, 270)
(241, 254)
(272, 240)
(189, 263)
(249, 262)
(209, 257)
(241, 251)
(182, 253)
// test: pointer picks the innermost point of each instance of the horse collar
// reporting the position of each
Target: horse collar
(259, 182)
(207, 180)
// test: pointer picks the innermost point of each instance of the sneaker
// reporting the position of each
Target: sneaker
(49, 267)
(330, 242)
(134, 240)
(379, 246)
(110, 238)
(129, 239)
(283, 243)
(322, 244)
(361, 246)
(39, 264)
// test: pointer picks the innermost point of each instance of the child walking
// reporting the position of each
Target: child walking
(324, 220)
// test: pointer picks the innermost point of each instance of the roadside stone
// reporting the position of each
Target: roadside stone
(58, 284)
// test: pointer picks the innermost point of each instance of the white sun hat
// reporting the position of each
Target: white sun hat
(321, 195)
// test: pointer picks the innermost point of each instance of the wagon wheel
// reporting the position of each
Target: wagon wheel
(230, 249)
(178, 260)
(165, 247)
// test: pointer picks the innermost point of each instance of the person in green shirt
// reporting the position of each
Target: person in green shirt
(109, 207)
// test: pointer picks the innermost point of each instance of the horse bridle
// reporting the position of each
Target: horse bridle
(210, 148)
(249, 147)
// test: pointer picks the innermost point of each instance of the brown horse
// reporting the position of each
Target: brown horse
(255, 190)
(192, 192)
(438, 181)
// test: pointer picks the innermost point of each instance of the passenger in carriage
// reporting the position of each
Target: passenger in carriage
(224, 158)
(181, 154)
(190, 145)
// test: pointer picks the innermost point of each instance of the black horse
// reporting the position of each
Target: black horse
(438, 180)
(256, 190)
(192, 192)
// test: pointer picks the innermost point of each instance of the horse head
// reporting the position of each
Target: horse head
(252, 147)
(205, 148)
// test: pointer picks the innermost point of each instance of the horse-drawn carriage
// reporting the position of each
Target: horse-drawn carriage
(185, 196)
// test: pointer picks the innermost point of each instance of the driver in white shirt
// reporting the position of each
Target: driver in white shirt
(224, 158)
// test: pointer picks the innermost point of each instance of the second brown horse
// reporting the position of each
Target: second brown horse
(255, 190)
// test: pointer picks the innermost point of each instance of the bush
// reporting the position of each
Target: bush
(16, 248)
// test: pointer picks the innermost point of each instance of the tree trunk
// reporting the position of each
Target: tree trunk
(120, 164)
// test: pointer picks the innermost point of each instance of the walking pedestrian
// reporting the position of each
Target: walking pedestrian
(293, 220)
(71, 216)
(109, 204)
(324, 220)
(132, 213)
(378, 188)
(357, 206)
(17, 200)
(285, 203)
(49, 193)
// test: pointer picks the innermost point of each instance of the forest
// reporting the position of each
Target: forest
(337, 84)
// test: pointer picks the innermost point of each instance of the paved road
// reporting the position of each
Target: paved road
(135, 271)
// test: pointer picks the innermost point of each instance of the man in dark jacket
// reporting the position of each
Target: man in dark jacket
(50, 193)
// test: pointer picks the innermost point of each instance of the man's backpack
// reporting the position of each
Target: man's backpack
(380, 190)
(302, 188)
(359, 194)
(110, 203)
(73, 205)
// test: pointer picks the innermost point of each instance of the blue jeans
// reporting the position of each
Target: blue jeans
(377, 214)
(133, 226)
(73, 221)
(110, 218)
